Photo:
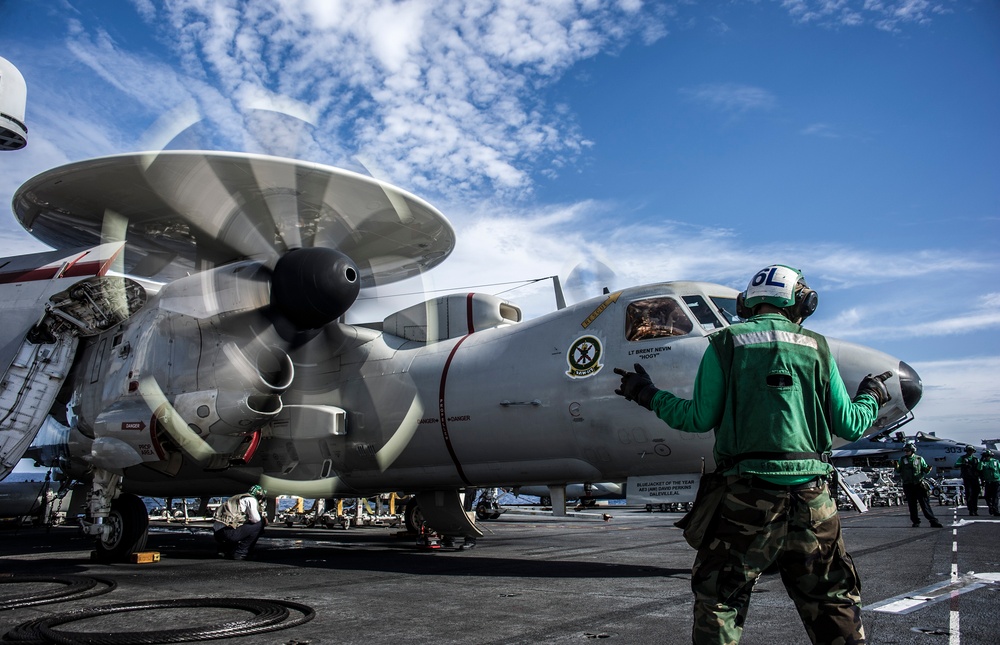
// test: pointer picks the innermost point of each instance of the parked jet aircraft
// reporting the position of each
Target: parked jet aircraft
(187, 336)
(881, 449)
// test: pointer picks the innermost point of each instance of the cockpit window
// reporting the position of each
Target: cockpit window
(703, 312)
(656, 318)
(727, 308)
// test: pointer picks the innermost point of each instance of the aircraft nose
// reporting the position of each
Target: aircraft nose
(910, 385)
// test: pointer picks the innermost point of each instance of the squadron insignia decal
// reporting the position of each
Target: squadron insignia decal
(584, 357)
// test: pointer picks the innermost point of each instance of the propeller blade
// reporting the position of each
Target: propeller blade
(185, 211)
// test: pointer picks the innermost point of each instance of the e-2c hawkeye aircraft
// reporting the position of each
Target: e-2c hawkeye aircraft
(188, 336)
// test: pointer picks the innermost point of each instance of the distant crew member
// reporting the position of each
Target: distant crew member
(969, 464)
(989, 471)
(912, 468)
(772, 392)
(239, 522)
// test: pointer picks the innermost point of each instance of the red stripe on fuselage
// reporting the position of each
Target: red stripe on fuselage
(73, 268)
(441, 406)
(153, 425)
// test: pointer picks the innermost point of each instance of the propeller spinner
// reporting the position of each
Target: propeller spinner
(315, 286)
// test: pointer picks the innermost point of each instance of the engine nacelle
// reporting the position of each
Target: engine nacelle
(247, 393)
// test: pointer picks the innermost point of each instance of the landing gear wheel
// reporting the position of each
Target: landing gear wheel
(487, 511)
(129, 524)
(413, 519)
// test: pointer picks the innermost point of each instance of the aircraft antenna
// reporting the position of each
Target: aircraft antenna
(557, 287)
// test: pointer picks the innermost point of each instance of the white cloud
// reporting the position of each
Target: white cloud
(431, 90)
(990, 301)
(396, 32)
(961, 400)
(821, 130)
(887, 15)
(731, 98)
(926, 327)
(914, 301)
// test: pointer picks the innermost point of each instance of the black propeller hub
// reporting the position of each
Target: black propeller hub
(314, 286)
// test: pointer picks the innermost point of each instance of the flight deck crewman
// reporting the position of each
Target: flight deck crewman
(912, 468)
(969, 465)
(774, 395)
(239, 522)
(989, 471)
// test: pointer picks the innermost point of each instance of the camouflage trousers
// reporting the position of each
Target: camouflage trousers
(798, 531)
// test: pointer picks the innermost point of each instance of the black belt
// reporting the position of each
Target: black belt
(760, 482)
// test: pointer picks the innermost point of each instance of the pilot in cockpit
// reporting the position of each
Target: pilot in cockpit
(656, 318)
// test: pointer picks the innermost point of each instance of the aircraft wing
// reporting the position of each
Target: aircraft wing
(27, 281)
(182, 211)
(34, 360)
(836, 454)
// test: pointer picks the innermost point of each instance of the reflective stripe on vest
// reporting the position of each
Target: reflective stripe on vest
(773, 336)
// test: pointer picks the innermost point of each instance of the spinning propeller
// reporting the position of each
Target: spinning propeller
(263, 243)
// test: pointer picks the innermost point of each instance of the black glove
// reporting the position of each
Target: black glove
(875, 385)
(636, 386)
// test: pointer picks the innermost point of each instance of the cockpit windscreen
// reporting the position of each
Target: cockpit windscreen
(703, 312)
(727, 308)
(656, 318)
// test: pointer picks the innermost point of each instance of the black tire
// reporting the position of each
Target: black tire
(412, 517)
(129, 525)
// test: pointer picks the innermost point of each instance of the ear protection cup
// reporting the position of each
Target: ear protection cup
(742, 310)
(806, 301)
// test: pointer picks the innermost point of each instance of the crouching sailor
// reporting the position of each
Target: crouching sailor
(239, 522)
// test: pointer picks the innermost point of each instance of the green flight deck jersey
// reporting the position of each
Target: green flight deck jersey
(969, 466)
(772, 392)
(989, 469)
(912, 469)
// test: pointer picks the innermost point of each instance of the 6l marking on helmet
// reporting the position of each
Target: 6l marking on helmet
(767, 277)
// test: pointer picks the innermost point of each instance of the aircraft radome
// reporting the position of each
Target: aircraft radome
(220, 358)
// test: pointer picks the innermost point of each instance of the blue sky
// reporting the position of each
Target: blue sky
(856, 139)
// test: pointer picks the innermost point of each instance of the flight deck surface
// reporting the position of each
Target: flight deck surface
(533, 578)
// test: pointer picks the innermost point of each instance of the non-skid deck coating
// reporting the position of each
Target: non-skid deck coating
(532, 579)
